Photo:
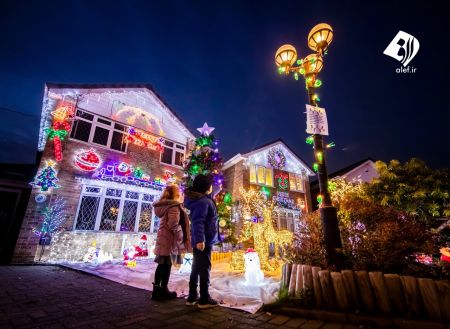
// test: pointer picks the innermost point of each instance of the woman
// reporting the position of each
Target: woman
(173, 238)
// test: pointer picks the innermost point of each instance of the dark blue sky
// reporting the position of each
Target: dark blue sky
(214, 61)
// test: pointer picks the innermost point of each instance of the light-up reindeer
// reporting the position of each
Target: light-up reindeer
(262, 231)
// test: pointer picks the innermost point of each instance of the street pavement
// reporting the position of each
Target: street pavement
(42, 296)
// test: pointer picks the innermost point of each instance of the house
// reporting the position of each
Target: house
(15, 192)
(108, 151)
(359, 172)
(276, 170)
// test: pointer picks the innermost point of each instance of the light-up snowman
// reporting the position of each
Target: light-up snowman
(253, 274)
(186, 267)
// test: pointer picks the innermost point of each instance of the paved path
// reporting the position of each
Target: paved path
(56, 297)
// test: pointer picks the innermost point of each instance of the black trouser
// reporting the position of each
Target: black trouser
(201, 266)
(162, 274)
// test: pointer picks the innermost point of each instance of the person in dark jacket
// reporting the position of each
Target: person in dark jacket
(204, 234)
(172, 239)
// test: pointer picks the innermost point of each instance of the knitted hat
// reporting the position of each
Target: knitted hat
(202, 183)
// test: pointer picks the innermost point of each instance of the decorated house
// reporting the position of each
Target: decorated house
(108, 152)
(275, 170)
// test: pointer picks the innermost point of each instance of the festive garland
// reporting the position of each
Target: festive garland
(276, 158)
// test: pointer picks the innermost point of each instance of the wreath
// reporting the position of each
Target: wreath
(276, 158)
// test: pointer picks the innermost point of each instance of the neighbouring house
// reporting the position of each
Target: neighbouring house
(359, 172)
(15, 192)
(108, 151)
(276, 170)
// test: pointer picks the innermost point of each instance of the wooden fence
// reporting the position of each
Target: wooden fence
(370, 292)
(220, 256)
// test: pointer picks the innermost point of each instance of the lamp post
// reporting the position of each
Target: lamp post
(319, 39)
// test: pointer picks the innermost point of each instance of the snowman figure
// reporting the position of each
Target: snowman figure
(253, 274)
(186, 267)
(92, 253)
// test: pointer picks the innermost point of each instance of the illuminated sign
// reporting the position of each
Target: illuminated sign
(140, 138)
(87, 160)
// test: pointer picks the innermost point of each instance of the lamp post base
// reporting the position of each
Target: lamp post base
(332, 236)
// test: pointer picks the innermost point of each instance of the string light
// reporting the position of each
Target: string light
(330, 145)
(317, 83)
(316, 167)
(319, 156)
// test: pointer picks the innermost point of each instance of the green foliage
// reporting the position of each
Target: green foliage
(224, 210)
(412, 187)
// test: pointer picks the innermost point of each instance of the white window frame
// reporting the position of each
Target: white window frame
(293, 178)
(102, 195)
(94, 123)
(256, 167)
(174, 151)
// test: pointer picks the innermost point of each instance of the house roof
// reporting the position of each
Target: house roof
(347, 169)
(52, 85)
(244, 155)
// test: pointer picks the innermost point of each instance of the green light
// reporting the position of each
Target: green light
(320, 198)
(266, 191)
(316, 167)
(330, 145)
(280, 70)
(331, 186)
(310, 140)
(296, 76)
(302, 71)
(227, 198)
(299, 61)
(318, 83)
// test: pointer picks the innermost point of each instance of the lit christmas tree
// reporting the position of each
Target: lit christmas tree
(205, 158)
(52, 218)
(46, 178)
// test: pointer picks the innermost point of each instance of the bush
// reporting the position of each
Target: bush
(374, 238)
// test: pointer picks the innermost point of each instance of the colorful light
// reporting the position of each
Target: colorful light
(282, 180)
(316, 167)
(87, 160)
(319, 156)
(330, 145)
(317, 83)
(141, 138)
(46, 178)
(320, 198)
(310, 140)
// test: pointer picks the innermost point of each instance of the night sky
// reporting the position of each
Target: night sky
(214, 61)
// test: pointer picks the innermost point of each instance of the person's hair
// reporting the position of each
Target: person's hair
(202, 183)
(171, 192)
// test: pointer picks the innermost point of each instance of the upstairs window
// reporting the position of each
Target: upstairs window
(173, 153)
(296, 182)
(93, 129)
(261, 175)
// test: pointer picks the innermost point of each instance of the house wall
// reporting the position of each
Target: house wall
(69, 179)
(364, 173)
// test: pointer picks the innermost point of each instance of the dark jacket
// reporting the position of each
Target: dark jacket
(203, 214)
(171, 238)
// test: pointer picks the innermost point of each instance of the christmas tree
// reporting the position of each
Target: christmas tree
(52, 218)
(205, 158)
(46, 177)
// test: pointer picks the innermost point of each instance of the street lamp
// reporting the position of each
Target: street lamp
(319, 39)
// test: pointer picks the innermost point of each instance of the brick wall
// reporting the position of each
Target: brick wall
(27, 243)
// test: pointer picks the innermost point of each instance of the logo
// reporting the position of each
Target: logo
(404, 48)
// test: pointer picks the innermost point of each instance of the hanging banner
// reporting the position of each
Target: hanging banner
(316, 120)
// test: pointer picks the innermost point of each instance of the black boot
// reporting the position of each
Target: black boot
(193, 295)
(156, 293)
(165, 292)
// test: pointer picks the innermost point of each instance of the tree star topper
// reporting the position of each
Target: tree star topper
(205, 130)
